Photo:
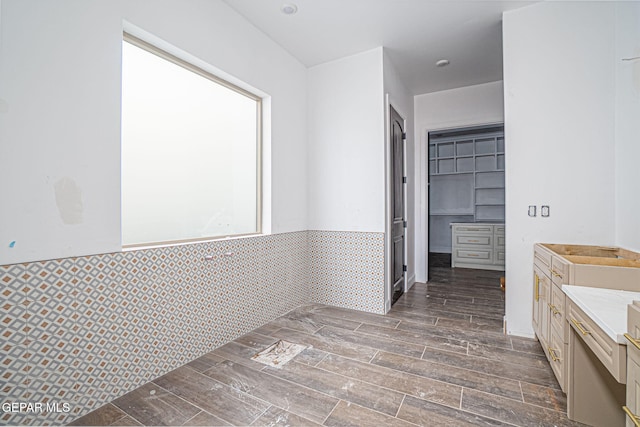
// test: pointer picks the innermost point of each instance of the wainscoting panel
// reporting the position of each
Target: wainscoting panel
(79, 332)
(347, 269)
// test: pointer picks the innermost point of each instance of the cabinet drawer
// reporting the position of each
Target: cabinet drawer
(488, 229)
(500, 230)
(633, 320)
(610, 353)
(500, 241)
(500, 257)
(559, 271)
(467, 240)
(542, 259)
(557, 351)
(475, 255)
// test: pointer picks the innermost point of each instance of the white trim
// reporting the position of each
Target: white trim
(387, 206)
(411, 281)
(422, 153)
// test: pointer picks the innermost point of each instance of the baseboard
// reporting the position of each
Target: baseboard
(520, 334)
(411, 281)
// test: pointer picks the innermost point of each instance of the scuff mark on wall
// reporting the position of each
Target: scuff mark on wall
(69, 200)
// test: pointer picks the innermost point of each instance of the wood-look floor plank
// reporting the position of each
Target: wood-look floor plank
(424, 413)
(354, 390)
(498, 354)
(277, 417)
(420, 387)
(526, 345)
(205, 419)
(288, 395)
(481, 324)
(487, 338)
(103, 416)
(348, 414)
(511, 411)
(354, 315)
(518, 372)
(418, 337)
(373, 342)
(450, 374)
(214, 397)
(327, 344)
(152, 405)
(547, 397)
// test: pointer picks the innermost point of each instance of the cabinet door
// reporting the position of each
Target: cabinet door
(541, 312)
(557, 315)
(557, 355)
(633, 384)
(545, 291)
(536, 301)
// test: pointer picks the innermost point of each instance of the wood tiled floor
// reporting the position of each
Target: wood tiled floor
(438, 358)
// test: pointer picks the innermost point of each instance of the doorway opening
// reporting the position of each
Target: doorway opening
(466, 183)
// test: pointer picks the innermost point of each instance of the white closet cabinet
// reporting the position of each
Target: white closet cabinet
(478, 245)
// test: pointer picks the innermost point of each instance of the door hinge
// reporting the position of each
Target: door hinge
(404, 268)
(404, 135)
(404, 179)
(404, 224)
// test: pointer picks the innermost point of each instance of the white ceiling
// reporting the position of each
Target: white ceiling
(416, 33)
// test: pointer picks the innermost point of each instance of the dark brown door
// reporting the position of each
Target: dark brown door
(397, 198)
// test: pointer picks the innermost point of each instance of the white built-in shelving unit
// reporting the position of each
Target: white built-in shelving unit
(466, 171)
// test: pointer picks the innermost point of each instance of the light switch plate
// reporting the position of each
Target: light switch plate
(544, 210)
(532, 210)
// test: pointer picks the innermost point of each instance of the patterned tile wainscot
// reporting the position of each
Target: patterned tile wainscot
(347, 269)
(80, 332)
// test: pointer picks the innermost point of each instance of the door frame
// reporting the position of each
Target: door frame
(422, 151)
(388, 280)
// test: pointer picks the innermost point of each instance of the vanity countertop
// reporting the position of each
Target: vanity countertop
(607, 307)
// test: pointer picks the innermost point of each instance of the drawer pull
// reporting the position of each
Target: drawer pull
(578, 325)
(537, 286)
(634, 418)
(553, 308)
(553, 355)
(473, 240)
(555, 273)
(472, 255)
(633, 341)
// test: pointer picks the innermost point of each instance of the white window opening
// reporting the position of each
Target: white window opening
(191, 151)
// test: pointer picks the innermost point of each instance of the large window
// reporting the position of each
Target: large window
(190, 151)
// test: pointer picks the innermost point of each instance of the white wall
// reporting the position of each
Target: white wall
(461, 107)
(627, 125)
(60, 114)
(559, 89)
(346, 144)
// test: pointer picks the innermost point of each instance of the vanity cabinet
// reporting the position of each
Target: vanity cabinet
(597, 356)
(478, 245)
(555, 265)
